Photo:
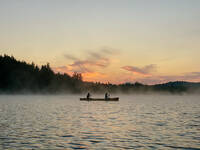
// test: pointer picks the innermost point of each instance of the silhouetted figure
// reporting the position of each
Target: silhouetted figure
(88, 95)
(106, 96)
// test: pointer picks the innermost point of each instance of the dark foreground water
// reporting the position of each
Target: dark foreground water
(135, 122)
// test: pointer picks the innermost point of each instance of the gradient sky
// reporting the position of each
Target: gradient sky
(106, 40)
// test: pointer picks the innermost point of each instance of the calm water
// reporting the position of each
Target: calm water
(135, 122)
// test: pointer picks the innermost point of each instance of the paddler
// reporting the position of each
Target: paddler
(88, 95)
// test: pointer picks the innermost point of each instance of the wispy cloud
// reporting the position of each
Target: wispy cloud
(70, 57)
(110, 51)
(146, 75)
(93, 61)
(189, 76)
(146, 70)
(157, 79)
(90, 66)
(101, 62)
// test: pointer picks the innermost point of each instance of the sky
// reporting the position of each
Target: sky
(112, 41)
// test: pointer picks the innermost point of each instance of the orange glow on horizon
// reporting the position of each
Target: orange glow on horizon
(94, 76)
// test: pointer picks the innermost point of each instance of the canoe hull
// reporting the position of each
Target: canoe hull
(100, 99)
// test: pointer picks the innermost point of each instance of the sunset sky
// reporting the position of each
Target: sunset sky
(116, 41)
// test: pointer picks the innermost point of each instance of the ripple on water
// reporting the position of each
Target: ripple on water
(135, 122)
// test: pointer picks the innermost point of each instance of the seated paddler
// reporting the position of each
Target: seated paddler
(106, 96)
(88, 95)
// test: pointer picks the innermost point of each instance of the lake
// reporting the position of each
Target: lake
(135, 122)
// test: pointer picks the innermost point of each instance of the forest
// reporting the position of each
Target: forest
(19, 77)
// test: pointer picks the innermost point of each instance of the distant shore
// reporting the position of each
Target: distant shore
(19, 77)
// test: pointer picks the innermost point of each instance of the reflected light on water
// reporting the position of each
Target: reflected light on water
(64, 122)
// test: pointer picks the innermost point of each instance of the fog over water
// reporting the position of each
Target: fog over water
(64, 122)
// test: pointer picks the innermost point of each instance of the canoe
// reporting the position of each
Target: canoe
(100, 99)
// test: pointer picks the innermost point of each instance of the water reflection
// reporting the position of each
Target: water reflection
(64, 122)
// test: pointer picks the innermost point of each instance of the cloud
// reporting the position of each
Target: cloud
(99, 62)
(146, 70)
(146, 76)
(92, 61)
(90, 66)
(193, 75)
(95, 55)
(70, 57)
(189, 76)
(110, 51)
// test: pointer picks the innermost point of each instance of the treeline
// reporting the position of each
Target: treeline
(21, 77)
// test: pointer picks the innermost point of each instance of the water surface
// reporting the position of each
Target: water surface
(135, 122)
